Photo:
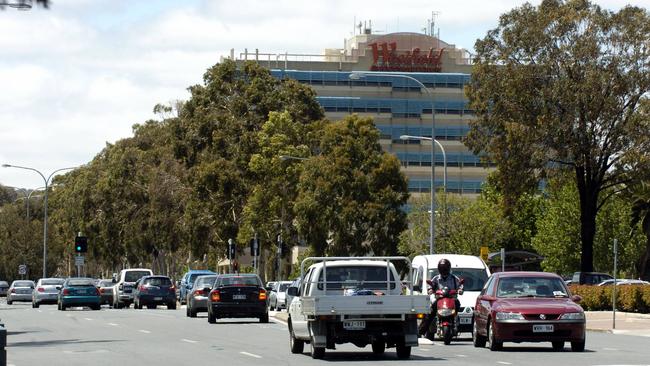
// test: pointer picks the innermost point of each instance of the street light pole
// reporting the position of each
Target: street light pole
(358, 75)
(46, 181)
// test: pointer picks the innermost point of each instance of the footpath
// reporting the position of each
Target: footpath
(626, 323)
(597, 321)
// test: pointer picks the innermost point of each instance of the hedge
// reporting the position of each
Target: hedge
(629, 298)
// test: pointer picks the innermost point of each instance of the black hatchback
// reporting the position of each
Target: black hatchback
(238, 296)
(151, 291)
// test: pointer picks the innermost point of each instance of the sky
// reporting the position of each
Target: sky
(79, 75)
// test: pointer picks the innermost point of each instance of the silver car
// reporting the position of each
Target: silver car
(4, 287)
(197, 297)
(277, 300)
(20, 290)
(46, 291)
(106, 290)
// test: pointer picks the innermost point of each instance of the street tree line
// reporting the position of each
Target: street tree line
(246, 154)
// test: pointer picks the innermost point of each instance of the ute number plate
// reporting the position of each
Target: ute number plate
(543, 328)
(354, 325)
(239, 297)
(465, 320)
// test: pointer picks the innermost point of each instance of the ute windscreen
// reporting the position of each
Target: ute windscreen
(356, 277)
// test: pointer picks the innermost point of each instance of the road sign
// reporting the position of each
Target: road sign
(22, 269)
(484, 253)
(79, 260)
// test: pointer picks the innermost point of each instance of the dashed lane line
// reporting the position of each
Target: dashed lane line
(504, 363)
(89, 319)
(189, 340)
(250, 354)
(113, 324)
(144, 331)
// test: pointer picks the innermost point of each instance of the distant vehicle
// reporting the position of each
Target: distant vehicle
(590, 278)
(77, 292)
(354, 300)
(123, 288)
(471, 269)
(269, 285)
(238, 296)
(106, 291)
(197, 297)
(623, 281)
(20, 290)
(295, 283)
(4, 287)
(151, 291)
(277, 298)
(187, 282)
(528, 307)
(46, 291)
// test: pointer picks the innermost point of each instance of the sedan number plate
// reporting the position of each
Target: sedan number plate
(239, 297)
(354, 325)
(543, 328)
(157, 298)
(465, 320)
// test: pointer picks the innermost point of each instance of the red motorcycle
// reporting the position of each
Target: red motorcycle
(446, 315)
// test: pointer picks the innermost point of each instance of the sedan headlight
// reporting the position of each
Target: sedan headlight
(509, 316)
(573, 316)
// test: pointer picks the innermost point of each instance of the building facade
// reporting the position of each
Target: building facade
(364, 78)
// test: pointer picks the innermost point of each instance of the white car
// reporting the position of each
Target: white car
(124, 283)
(46, 291)
(471, 269)
(278, 298)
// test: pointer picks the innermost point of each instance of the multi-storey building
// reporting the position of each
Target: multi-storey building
(397, 105)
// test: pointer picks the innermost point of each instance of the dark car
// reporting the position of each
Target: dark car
(589, 278)
(528, 307)
(4, 287)
(197, 297)
(238, 296)
(106, 290)
(77, 292)
(151, 291)
(186, 283)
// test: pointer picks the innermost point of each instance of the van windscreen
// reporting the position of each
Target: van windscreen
(474, 278)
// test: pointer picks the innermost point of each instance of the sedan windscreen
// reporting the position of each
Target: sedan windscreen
(531, 287)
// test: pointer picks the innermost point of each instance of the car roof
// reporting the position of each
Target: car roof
(526, 274)
(137, 269)
(206, 271)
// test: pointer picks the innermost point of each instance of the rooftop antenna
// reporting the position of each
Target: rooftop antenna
(432, 23)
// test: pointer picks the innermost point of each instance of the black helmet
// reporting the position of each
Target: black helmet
(444, 267)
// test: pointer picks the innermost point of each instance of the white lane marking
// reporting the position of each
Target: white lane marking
(504, 363)
(610, 349)
(113, 324)
(40, 311)
(189, 340)
(68, 315)
(144, 331)
(250, 354)
(276, 320)
(461, 355)
(88, 319)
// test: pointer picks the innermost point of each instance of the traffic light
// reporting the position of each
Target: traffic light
(232, 249)
(80, 244)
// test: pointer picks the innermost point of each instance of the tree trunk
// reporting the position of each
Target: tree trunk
(588, 212)
(644, 270)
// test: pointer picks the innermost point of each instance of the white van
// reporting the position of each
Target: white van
(471, 269)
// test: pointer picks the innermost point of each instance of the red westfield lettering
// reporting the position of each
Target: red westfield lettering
(386, 58)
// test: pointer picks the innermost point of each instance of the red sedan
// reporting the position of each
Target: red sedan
(528, 307)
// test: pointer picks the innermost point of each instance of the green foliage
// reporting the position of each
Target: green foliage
(629, 298)
(350, 196)
(562, 84)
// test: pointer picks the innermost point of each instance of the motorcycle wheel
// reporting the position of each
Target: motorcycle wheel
(447, 334)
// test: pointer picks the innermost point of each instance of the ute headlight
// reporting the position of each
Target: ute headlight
(573, 316)
(446, 312)
(509, 316)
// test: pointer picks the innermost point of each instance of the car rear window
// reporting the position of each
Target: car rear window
(52, 282)
(81, 282)
(356, 277)
(531, 287)
(132, 276)
(158, 281)
(106, 283)
(284, 287)
(23, 284)
(239, 281)
(205, 281)
(4, 283)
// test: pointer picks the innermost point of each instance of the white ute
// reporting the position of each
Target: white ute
(356, 300)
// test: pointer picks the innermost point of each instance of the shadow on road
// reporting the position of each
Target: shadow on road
(507, 349)
(334, 356)
(55, 342)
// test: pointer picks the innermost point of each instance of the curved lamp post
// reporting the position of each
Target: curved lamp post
(359, 75)
(47, 182)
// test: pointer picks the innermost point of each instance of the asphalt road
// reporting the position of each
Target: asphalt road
(49, 337)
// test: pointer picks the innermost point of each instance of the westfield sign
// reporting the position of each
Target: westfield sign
(386, 58)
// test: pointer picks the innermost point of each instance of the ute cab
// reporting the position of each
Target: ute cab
(471, 269)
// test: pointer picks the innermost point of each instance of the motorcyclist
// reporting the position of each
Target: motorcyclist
(443, 279)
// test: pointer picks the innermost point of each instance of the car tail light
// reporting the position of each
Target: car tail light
(198, 292)
(99, 293)
(13, 290)
(40, 289)
(142, 289)
(215, 296)
(262, 294)
(66, 292)
(101, 290)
